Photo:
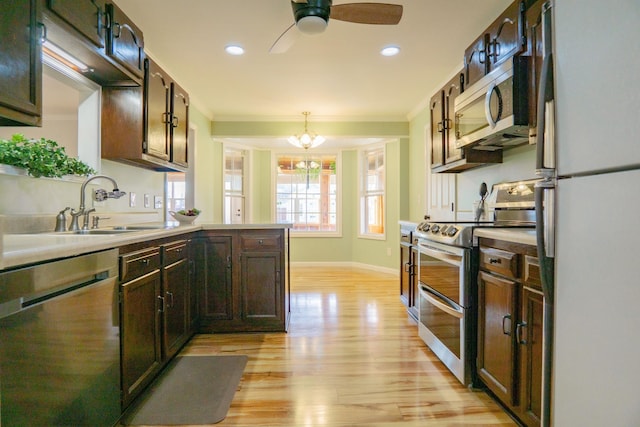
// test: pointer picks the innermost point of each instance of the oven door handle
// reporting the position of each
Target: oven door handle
(441, 255)
(452, 311)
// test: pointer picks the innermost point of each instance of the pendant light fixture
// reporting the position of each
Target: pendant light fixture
(307, 140)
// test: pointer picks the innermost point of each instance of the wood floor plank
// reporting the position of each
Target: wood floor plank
(352, 357)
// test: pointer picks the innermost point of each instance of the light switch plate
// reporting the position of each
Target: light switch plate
(132, 199)
(147, 201)
(157, 202)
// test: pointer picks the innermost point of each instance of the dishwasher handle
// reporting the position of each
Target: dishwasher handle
(16, 305)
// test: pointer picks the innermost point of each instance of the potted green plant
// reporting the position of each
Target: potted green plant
(41, 158)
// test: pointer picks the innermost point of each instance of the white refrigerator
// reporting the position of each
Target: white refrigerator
(591, 212)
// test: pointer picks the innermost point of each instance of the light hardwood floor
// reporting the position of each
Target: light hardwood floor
(352, 357)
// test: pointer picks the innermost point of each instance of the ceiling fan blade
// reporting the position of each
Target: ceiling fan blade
(367, 13)
(286, 40)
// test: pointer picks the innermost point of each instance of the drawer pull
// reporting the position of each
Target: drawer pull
(145, 261)
(260, 242)
(495, 261)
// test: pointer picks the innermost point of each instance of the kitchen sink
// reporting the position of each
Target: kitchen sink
(104, 231)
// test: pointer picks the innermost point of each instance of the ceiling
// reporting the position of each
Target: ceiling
(338, 75)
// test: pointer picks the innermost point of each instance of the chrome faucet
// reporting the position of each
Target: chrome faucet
(98, 195)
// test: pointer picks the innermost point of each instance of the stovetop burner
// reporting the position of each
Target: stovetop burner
(461, 233)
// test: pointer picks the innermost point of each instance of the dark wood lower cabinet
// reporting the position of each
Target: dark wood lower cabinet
(141, 348)
(496, 345)
(510, 325)
(242, 280)
(155, 299)
(175, 298)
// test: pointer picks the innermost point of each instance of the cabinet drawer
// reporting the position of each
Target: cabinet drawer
(174, 251)
(499, 261)
(260, 242)
(139, 263)
(532, 272)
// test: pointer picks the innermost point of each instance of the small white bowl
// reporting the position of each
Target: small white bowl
(183, 219)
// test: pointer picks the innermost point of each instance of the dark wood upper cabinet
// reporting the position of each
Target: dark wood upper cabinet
(475, 60)
(179, 129)
(87, 17)
(452, 89)
(506, 35)
(504, 38)
(437, 129)
(139, 125)
(157, 109)
(125, 41)
(21, 71)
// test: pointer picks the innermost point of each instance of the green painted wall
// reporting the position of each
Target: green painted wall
(208, 184)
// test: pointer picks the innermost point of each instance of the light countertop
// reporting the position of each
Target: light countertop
(20, 249)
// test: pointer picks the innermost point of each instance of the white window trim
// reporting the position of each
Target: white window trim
(339, 213)
(371, 236)
(246, 178)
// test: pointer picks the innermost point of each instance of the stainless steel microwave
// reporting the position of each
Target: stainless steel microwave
(493, 113)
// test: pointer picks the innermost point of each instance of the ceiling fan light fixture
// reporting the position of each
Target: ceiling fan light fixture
(390, 51)
(311, 25)
(306, 140)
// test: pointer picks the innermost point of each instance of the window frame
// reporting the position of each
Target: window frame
(245, 180)
(363, 193)
(275, 155)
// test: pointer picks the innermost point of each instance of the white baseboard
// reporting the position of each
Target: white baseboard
(387, 270)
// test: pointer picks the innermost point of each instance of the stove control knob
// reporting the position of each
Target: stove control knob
(452, 231)
(435, 228)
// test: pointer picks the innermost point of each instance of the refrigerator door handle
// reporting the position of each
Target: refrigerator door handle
(545, 96)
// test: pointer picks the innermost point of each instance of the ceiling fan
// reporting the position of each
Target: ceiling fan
(312, 17)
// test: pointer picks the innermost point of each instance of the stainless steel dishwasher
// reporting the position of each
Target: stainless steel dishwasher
(59, 343)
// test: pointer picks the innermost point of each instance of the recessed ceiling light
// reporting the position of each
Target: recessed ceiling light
(234, 49)
(390, 51)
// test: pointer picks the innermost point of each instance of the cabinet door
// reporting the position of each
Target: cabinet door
(214, 278)
(261, 289)
(451, 90)
(506, 35)
(530, 339)
(437, 129)
(176, 307)
(125, 41)
(405, 271)
(475, 60)
(21, 71)
(141, 350)
(413, 285)
(179, 126)
(85, 16)
(156, 109)
(533, 19)
(497, 311)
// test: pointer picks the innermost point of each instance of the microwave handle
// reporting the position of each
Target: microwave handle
(487, 105)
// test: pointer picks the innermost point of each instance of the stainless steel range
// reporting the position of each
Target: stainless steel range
(447, 269)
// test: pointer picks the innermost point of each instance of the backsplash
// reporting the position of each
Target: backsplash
(31, 204)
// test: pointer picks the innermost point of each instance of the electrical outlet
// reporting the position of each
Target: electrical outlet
(147, 201)
(388, 251)
(157, 202)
